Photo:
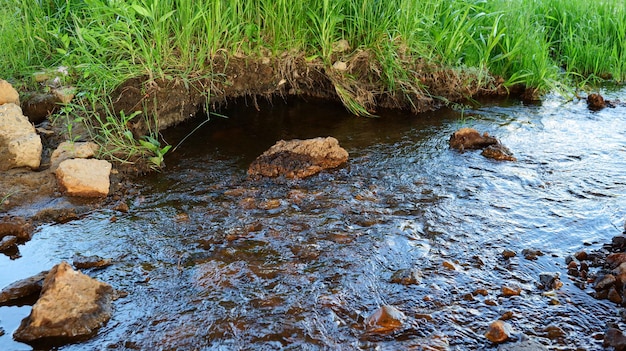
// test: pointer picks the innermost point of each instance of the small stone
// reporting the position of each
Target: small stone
(270, 204)
(385, 319)
(531, 254)
(508, 254)
(549, 281)
(482, 292)
(410, 276)
(581, 255)
(498, 152)
(498, 331)
(449, 265)
(8, 242)
(85, 262)
(68, 150)
(595, 102)
(506, 316)
(511, 291)
(340, 66)
(121, 207)
(554, 332)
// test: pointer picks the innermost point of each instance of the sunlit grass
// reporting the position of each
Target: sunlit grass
(536, 43)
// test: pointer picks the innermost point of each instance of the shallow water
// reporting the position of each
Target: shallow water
(214, 261)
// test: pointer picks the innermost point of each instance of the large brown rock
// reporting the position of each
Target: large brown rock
(8, 94)
(499, 331)
(20, 146)
(470, 138)
(299, 158)
(84, 177)
(72, 307)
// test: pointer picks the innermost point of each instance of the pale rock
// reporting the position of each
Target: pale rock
(20, 145)
(340, 66)
(84, 177)
(385, 319)
(68, 150)
(72, 307)
(8, 94)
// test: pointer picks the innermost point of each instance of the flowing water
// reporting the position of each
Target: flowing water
(212, 260)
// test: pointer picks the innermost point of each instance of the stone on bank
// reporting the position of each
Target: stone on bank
(20, 145)
(84, 177)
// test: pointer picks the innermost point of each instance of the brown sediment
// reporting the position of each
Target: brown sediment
(361, 77)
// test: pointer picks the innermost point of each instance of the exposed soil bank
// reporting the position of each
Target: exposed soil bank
(355, 79)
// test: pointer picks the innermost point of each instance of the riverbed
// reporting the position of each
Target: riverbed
(213, 260)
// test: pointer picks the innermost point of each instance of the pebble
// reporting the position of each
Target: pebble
(385, 319)
(508, 254)
(498, 331)
(554, 332)
(511, 291)
(531, 254)
(410, 276)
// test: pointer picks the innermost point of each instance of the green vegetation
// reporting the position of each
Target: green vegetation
(541, 44)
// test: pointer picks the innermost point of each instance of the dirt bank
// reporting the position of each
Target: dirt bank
(354, 78)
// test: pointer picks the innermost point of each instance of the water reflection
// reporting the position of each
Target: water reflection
(212, 260)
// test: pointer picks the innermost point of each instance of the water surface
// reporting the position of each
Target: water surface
(212, 260)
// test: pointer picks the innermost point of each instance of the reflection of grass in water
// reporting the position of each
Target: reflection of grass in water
(392, 44)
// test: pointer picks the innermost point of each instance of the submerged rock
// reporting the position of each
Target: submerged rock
(526, 344)
(384, 320)
(407, 276)
(596, 102)
(299, 158)
(72, 307)
(615, 338)
(22, 289)
(84, 177)
(14, 230)
(20, 145)
(498, 152)
(86, 262)
(470, 138)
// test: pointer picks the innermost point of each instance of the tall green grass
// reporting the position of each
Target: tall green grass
(538, 43)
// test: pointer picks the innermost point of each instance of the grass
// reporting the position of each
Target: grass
(541, 44)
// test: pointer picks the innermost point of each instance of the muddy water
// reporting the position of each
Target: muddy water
(214, 261)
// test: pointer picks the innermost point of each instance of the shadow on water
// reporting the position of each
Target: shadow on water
(212, 260)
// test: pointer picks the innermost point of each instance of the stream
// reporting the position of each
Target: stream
(212, 260)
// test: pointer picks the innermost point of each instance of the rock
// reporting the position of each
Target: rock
(549, 281)
(614, 338)
(7, 242)
(299, 158)
(604, 282)
(511, 290)
(508, 254)
(68, 150)
(72, 307)
(84, 177)
(38, 106)
(554, 332)
(8, 94)
(498, 152)
(384, 320)
(341, 46)
(22, 289)
(20, 146)
(615, 259)
(17, 227)
(64, 95)
(407, 276)
(595, 102)
(531, 254)
(469, 138)
(499, 331)
(85, 262)
(340, 66)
